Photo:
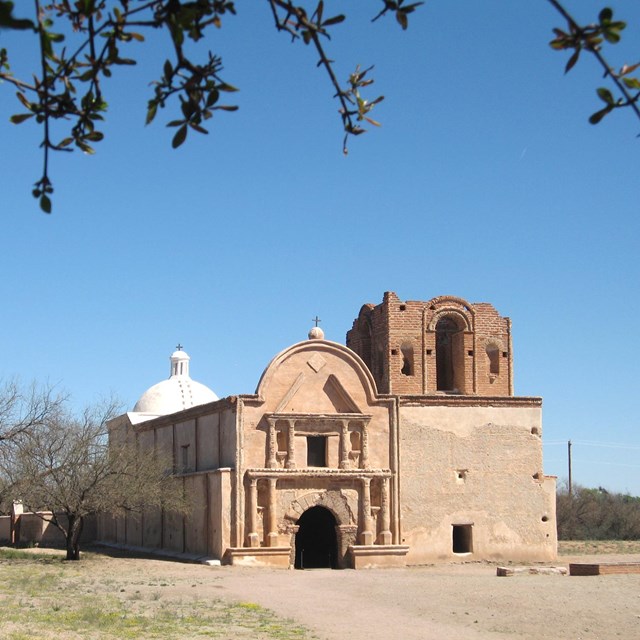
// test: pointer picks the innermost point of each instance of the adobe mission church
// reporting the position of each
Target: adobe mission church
(406, 446)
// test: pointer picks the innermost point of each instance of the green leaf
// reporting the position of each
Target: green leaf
(198, 128)
(631, 83)
(180, 137)
(572, 60)
(212, 98)
(45, 203)
(605, 95)
(598, 115)
(24, 100)
(402, 19)
(151, 112)
(605, 15)
(85, 147)
(20, 117)
(334, 20)
(611, 36)
(9, 22)
(223, 86)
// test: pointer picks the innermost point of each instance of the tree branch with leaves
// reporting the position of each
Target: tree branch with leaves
(590, 39)
(82, 42)
(69, 84)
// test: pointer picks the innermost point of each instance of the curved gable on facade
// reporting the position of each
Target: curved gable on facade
(317, 376)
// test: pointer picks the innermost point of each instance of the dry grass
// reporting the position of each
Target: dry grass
(598, 547)
(43, 597)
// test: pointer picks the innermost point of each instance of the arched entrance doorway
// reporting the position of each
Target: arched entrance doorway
(316, 545)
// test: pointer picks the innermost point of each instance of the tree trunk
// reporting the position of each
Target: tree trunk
(73, 537)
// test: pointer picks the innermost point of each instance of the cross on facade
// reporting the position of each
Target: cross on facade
(179, 347)
(316, 320)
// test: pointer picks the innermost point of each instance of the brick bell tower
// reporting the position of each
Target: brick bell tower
(445, 346)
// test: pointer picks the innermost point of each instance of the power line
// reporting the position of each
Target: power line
(588, 443)
(613, 464)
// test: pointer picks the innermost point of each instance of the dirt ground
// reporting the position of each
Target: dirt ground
(443, 602)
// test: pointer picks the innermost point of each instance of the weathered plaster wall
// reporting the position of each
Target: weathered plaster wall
(220, 511)
(478, 466)
(208, 441)
(197, 444)
(318, 379)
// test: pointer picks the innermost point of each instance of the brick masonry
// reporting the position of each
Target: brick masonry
(442, 346)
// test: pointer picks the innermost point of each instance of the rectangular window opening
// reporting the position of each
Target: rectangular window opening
(185, 458)
(462, 538)
(316, 451)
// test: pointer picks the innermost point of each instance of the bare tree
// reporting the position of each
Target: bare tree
(22, 408)
(66, 465)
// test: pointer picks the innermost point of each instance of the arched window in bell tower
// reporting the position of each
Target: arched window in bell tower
(447, 344)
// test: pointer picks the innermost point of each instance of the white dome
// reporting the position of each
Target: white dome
(175, 394)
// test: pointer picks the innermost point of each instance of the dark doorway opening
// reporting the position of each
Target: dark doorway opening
(316, 545)
(462, 538)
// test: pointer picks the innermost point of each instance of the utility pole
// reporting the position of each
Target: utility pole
(569, 455)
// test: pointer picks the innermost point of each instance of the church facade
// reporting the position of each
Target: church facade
(405, 446)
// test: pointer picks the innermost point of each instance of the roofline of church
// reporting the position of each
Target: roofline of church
(402, 400)
(452, 400)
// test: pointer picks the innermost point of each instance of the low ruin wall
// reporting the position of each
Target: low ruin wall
(37, 529)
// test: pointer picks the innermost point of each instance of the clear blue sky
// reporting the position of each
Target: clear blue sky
(485, 182)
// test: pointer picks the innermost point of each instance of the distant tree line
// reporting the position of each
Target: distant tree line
(597, 514)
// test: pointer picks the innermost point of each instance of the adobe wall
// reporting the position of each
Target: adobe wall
(203, 531)
(37, 529)
(477, 469)
(201, 441)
